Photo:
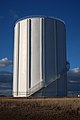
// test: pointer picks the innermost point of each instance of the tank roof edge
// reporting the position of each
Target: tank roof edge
(39, 16)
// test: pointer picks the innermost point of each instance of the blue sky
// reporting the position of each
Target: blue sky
(67, 10)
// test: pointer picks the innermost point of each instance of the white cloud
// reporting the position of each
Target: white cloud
(5, 62)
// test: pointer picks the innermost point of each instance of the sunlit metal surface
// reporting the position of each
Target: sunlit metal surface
(39, 57)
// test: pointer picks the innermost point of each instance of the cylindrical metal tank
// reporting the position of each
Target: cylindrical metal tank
(39, 57)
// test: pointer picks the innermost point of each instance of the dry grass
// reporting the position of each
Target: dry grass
(40, 109)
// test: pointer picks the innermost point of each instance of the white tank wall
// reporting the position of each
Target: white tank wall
(15, 61)
(39, 56)
(50, 50)
(20, 81)
(23, 59)
(36, 53)
(61, 46)
(61, 58)
(27, 56)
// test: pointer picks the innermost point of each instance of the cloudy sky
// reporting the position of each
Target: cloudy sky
(5, 63)
(12, 10)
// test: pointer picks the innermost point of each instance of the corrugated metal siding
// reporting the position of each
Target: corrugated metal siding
(62, 86)
(16, 51)
(35, 51)
(23, 59)
(61, 59)
(51, 90)
(39, 56)
(50, 50)
(61, 46)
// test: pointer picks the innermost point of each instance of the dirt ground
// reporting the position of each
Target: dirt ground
(39, 108)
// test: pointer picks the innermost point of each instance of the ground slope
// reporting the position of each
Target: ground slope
(40, 109)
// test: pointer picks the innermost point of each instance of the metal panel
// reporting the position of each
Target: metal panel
(23, 60)
(15, 73)
(51, 90)
(40, 55)
(62, 86)
(61, 46)
(50, 50)
(61, 59)
(35, 51)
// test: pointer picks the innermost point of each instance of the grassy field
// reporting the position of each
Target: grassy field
(40, 109)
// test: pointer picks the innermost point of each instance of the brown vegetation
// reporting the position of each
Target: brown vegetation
(40, 109)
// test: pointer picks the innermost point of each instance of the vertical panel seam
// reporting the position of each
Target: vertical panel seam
(41, 49)
(29, 53)
(56, 57)
(18, 58)
(27, 78)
